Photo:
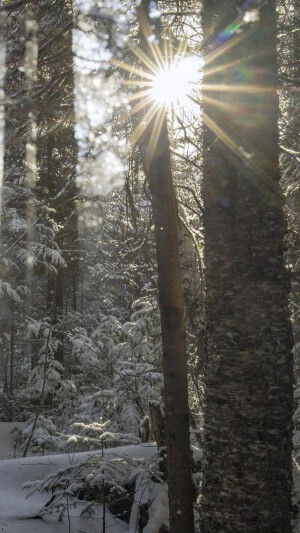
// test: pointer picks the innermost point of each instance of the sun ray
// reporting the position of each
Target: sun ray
(221, 134)
(142, 104)
(138, 52)
(227, 88)
(132, 69)
(265, 182)
(147, 32)
(139, 95)
(156, 52)
(165, 42)
(216, 103)
(143, 123)
(171, 50)
(228, 45)
(219, 68)
(158, 121)
(137, 83)
(165, 81)
(182, 48)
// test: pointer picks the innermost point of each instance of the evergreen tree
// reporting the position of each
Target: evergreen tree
(57, 153)
(39, 214)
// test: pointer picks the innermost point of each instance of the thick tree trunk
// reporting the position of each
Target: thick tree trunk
(289, 59)
(249, 379)
(158, 172)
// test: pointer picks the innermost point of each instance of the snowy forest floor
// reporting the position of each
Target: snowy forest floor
(19, 514)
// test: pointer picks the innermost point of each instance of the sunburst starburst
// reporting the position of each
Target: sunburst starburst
(162, 80)
(167, 77)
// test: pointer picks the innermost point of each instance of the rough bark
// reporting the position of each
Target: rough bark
(157, 424)
(157, 168)
(249, 379)
(289, 60)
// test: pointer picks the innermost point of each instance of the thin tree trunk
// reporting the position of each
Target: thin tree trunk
(249, 378)
(30, 66)
(12, 349)
(4, 372)
(157, 168)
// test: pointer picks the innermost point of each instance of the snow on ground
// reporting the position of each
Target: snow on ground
(17, 512)
(296, 473)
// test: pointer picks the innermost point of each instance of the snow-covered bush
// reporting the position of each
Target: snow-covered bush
(45, 378)
(43, 437)
(132, 488)
(95, 436)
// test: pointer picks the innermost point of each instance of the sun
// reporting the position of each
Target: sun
(166, 74)
(174, 82)
(161, 81)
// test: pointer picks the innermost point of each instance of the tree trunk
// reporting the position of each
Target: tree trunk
(289, 59)
(12, 350)
(249, 376)
(157, 168)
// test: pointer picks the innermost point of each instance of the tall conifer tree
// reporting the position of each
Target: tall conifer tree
(57, 149)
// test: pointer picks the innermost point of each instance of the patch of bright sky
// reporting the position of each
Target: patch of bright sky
(251, 16)
(101, 156)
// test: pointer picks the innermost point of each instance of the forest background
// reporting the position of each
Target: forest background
(82, 303)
